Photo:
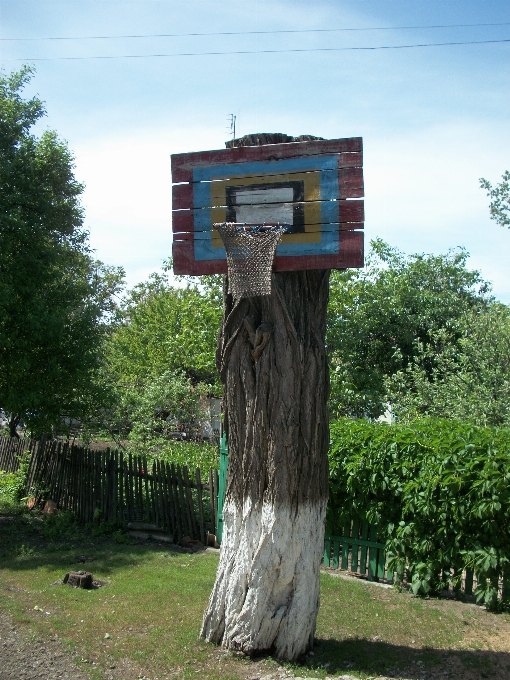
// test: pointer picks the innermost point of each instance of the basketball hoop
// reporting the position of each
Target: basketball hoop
(250, 253)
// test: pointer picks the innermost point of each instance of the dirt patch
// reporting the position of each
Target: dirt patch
(25, 658)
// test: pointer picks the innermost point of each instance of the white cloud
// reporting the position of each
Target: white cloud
(422, 193)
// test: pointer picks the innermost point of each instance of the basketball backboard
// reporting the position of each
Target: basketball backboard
(308, 186)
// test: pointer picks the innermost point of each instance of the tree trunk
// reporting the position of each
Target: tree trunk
(272, 360)
(14, 421)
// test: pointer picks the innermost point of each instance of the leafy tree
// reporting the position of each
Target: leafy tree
(466, 378)
(168, 404)
(500, 199)
(167, 328)
(380, 317)
(54, 299)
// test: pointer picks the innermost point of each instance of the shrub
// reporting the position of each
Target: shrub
(438, 491)
(12, 486)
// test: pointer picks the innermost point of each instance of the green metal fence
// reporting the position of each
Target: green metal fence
(222, 482)
(358, 550)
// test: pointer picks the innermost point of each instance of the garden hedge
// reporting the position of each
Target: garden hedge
(438, 491)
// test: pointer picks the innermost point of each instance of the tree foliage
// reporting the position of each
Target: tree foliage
(53, 296)
(167, 328)
(500, 199)
(381, 317)
(467, 378)
(439, 492)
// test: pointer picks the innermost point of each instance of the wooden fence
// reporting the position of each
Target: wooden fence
(10, 451)
(117, 487)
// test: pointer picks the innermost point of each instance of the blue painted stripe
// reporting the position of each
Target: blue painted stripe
(329, 243)
(265, 167)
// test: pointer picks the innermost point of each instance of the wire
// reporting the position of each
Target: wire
(314, 49)
(304, 30)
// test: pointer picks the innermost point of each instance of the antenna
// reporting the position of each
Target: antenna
(232, 121)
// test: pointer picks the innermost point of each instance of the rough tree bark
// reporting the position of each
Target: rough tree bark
(272, 360)
(14, 421)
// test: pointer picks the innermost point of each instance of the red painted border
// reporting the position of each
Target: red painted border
(344, 160)
(351, 255)
(184, 163)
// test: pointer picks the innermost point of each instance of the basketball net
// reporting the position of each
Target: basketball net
(250, 252)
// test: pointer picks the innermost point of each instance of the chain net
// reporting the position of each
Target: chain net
(250, 254)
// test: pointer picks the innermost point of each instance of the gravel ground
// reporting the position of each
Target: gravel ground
(22, 658)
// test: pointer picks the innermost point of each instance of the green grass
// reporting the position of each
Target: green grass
(152, 603)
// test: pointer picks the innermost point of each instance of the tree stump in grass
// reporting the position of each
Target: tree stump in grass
(272, 360)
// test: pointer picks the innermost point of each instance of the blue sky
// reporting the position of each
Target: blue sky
(434, 119)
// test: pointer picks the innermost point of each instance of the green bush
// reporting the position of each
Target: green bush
(12, 486)
(438, 491)
(193, 454)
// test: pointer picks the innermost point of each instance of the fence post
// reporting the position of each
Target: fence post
(222, 486)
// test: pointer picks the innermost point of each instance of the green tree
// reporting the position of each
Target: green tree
(167, 328)
(380, 316)
(466, 377)
(54, 298)
(500, 199)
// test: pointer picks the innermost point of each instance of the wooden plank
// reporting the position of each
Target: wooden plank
(179, 527)
(184, 509)
(139, 486)
(319, 228)
(191, 508)
(325, 228)
(351, 255)
(164, 497)
(81, 489)
(182, 197)
(155, 496)
(200, 506)
(130, 489)
(183, 164)
(350, 181)
(146, 488)
(180, 502)
(274, 174)
(121, 501)
(65, 457)
(352, 210)
(153, 488)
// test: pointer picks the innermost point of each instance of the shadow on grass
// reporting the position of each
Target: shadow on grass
(26, 544)
(382, 658)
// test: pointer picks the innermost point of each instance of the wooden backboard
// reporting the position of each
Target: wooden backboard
(310, 186)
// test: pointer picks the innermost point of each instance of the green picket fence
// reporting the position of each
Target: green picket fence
(357, 550)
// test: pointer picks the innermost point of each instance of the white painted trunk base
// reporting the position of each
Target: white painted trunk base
(266, 594)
